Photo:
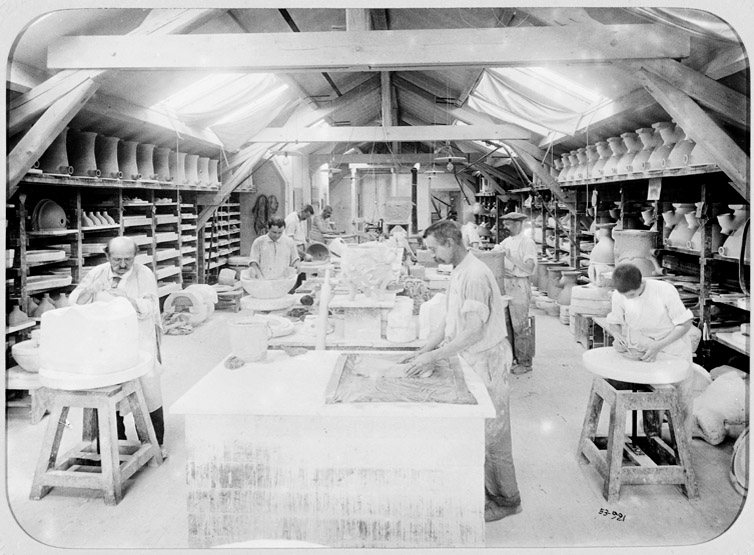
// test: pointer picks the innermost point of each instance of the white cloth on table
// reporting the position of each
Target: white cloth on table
(140, 284)
(273, 257)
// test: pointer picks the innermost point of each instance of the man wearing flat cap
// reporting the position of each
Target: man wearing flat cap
(520, 264)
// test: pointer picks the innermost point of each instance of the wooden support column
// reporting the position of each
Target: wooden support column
(354, 200)
(44, 131)
(701, 128)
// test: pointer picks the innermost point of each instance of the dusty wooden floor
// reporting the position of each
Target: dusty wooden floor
(562, 500)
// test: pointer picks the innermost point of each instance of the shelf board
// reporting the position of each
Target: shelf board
(722, 258)
(101, 227)
(20, 327)
(734, 341)
(53, 232)
(99, 183)
(743, 302)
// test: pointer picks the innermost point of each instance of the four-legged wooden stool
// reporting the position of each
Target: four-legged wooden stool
(646, 459)
(100, 461)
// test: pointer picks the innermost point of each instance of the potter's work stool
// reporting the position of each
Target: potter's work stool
(229, 299)
(100, 461)
(636, 459)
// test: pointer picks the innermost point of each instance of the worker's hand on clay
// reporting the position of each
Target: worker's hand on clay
(619, 344)
(421, 366)
(650, 355)
(308, 257)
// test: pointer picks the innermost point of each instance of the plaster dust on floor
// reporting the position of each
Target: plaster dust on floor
(562, 500)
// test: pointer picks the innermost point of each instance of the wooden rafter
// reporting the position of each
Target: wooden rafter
(44, 131)
(31, 104)
(701, 128)
(376, 50)
(401, 133)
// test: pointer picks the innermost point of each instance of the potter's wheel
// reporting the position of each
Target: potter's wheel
(609, 363)
(75, 381)
(280, 303)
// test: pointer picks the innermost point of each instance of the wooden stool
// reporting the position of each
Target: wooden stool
(636, 460)
(100, 461)
(229, 299)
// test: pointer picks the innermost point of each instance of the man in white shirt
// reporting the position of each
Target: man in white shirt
(273, 255)
(649, 318)
(471, 238)
(520, 264)
(121, 276)
(297, 228)
(474, 328)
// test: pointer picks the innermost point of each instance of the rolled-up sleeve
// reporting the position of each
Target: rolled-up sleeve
(477, 295)
(617, 313)
(677, 312)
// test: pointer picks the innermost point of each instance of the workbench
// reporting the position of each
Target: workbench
(268, 458)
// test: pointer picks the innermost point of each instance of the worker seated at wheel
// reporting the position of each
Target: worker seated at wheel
(649, 318)
(274, 255)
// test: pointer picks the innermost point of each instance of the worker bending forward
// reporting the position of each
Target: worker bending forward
(273, 255)
(121, 276)
(520, 264)
(649, 318)
(474, 328)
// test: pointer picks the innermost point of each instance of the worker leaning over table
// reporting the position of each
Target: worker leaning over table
(297, 228)
(122, 277)
(274, 253)
(649, 318)
(474, 328)
(520, 264)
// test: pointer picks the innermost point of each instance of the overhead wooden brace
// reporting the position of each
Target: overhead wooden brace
(44, 131)
(32, 103)
(702, 129)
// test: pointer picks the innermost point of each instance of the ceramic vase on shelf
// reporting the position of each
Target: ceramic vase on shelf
(695, 243)
(592, 157)
(602, 257)
(17, 316)
(86, 221)
(662, 151)
(678, 157)
(566, 167)
(637, 247)
(699, 156)
(573, 160)
(681, 232)
(108, 218)
(580, 172)
(62, 301)
(44, 305)
(94, 218)
(633, 146)
(618, 149)
(650, 139)
(102, 219)
(603, 149)
(556, 168)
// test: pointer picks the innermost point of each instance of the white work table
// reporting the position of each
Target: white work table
(269, 459)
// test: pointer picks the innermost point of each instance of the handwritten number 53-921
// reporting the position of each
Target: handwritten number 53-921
(614, 515)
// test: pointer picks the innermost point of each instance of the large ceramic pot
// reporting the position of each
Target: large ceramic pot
(650, 139)
(699, 156)
(633, 146)
(567, 283)
(681, 232)
(678, 157)
(566, 167)
(603, 149)
(553, 285)
(55, 158)
(637, 247)
(573, 160)
(556, 168)
(695, 243)
(81, 153)
(580, 172)
(592, 157)
(618, 149)
(543, 269)
(106, 153)
(662, 151)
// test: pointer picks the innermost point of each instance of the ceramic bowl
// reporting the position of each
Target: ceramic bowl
(267, 288)
(26, 354)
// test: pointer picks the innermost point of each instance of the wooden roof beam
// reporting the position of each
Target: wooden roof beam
(701, 128)
(44, 131)
(380, 134)
(730, 105)
(374, 51)
(32, 103)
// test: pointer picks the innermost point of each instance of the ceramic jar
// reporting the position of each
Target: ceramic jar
(650, 139)
(633, 146)
(567, 282)
(680, 153)
(17, 316)
(637, 247)
(566, 166)
(81, 153)
(662, 151)
(618, 149)
(592, 157)
(603, 149)
(44, 305)
(573, 160)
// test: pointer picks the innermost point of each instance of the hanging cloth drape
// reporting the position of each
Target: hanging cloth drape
(505, 99)
(234, 134)
(230, 97)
